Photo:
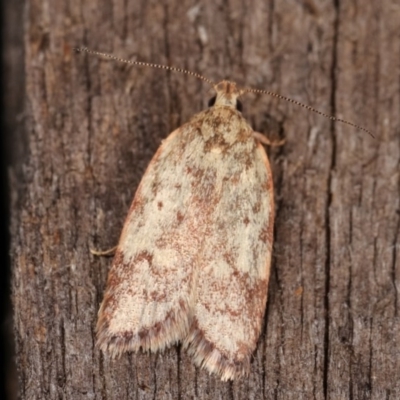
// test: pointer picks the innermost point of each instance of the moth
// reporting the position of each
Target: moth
(193, 261)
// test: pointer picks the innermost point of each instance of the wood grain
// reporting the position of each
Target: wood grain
(332, 325)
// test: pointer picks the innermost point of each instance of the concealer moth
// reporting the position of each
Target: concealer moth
(193, 261)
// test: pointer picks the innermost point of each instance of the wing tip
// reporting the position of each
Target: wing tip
(206, 356)
(163, 334)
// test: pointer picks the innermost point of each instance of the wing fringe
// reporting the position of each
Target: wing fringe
(163, 334)
(206, 356)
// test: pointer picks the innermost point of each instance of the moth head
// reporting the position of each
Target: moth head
(227, 95)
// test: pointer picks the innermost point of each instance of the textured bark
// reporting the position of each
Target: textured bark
(332, 324)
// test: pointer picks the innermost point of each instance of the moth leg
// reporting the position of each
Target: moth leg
(104, 253)
(264, 140)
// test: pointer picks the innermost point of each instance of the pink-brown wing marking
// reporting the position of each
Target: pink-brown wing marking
(194, 255)
(150, 293)
(234, 265)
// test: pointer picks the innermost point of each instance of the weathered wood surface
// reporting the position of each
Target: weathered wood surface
(332, 327)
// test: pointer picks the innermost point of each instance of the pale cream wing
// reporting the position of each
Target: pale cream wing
(234, 265)
(150, 294)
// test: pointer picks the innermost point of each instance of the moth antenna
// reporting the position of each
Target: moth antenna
(144, 64)
(210, 82)
(309, 108)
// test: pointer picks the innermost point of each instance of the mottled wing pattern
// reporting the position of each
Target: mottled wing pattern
(235, 259)
(193, 260)
(150, 291)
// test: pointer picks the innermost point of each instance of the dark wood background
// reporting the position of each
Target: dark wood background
(89, 127)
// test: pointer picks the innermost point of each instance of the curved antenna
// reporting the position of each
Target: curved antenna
(309, 108)
(210, 82)
(144, 64)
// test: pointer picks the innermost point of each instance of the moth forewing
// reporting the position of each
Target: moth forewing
(236, 260)
(156, 303)
(192, 264)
